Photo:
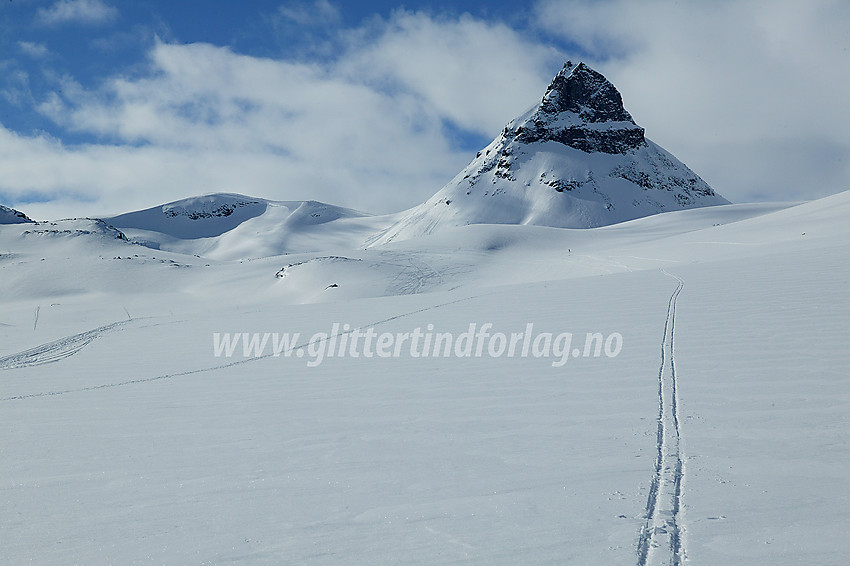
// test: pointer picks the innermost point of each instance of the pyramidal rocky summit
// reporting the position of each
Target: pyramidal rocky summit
(576, 160)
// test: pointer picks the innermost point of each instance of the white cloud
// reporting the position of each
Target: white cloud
(34, 50)
(318, 12)
(753, 101)
(17, 88)
(750, 95)
(360, 131)
(77, 11)
(477, 74)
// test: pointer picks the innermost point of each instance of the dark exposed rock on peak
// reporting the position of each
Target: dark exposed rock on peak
(583, 91)
(583, 110)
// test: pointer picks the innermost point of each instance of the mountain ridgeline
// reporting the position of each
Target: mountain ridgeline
(577, 159)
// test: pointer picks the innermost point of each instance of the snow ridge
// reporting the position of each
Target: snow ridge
(73, 227)
(12, 216)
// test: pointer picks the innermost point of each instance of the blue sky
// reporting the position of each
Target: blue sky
(92, 40)
(109, 106)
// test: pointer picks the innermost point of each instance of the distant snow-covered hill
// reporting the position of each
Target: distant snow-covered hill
(198, 217)
(232, 226)
(576, 160)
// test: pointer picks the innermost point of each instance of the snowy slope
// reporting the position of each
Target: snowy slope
(12, 216)
(125, 440)
(198, 217)
(576, 160)
(228, 226)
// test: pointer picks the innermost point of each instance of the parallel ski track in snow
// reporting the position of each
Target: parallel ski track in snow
(661, 537)
(187, 372)
(56, 350)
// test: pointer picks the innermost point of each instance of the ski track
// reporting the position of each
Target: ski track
(661, 537)
(415, 276)
(108, 327)
(57, 350)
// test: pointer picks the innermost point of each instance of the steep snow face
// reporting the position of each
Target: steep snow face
(12, 216)
(577, 160)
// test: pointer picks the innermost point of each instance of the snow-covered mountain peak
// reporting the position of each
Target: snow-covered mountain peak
(576, 160)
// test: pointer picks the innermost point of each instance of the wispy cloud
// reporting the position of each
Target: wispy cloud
(307, 30)
(477, 74)
(316, 13)
(16, 88)
(77, 11)
(33, 49)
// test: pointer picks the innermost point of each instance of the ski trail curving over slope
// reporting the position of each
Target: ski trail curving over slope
(192, 371)
(57, 350)
(661, 537)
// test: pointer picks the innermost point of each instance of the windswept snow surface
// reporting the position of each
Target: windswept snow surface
(717, 435)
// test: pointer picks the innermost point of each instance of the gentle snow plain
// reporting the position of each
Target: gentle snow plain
(126, 441)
